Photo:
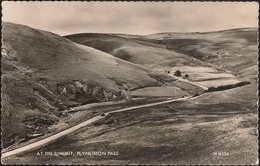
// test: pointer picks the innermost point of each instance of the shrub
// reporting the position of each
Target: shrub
(225, 87)
(177, 73)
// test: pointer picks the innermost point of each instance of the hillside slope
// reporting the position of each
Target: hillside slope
(134, 49)
(43, 73)
(234, 50)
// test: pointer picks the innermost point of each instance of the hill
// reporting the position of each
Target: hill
(232, 50)
(134, 49)
(43, 74)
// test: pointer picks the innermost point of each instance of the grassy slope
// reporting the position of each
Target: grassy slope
(43, 52)
(234, 50)
(178, 133)
(231, 50)
(186, 132)
(135, 50)
(31, 56)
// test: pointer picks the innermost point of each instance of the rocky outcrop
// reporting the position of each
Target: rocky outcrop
(84, 93)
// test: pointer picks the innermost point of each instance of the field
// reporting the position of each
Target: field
(159, 92)
(207, 76)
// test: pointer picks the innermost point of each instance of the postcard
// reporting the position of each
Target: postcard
(129, 83)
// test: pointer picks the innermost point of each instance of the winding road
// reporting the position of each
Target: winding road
(54, 137)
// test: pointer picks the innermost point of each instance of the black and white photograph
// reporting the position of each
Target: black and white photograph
(129, 83)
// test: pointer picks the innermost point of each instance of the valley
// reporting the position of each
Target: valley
(122, 93)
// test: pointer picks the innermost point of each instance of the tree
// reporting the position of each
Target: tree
(177, 73)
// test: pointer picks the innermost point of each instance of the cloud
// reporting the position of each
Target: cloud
(131, 17)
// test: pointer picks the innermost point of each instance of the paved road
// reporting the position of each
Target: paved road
(149, 105)
(50, 138)
(54, 137)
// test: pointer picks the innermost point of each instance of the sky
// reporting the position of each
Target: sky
(140, 18)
